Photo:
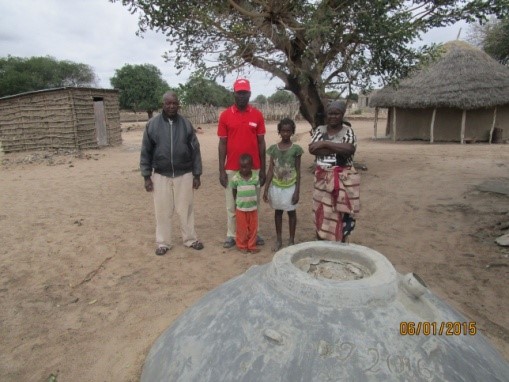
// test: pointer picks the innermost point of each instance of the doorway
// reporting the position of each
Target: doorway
(100, 122)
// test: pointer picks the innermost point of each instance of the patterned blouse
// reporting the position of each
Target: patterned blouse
(345, 135)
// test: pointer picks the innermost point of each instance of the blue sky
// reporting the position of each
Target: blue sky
(102, 34)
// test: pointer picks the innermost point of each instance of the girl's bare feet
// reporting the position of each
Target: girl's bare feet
(277, 246)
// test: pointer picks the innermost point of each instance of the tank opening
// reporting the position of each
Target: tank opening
(332, 269)
(421, 281)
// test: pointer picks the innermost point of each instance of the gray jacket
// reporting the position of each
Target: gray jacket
(170, 147)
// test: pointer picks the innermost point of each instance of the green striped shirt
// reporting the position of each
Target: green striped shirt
(246, 191)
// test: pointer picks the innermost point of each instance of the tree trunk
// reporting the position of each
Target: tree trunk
(311, 105)
(150, 113)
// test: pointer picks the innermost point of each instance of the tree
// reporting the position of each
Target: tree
(353, 97)
(281, 97)
(141, 87)
(310, 45)
(203, 91)
(260, 99)
(18, 75)
(333, 95)
(76, 74)
(493, 38)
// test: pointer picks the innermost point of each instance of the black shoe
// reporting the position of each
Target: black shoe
(229, 242)
(161, 251)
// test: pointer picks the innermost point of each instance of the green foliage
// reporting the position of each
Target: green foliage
(203, 91)
(353, 97)
(281, 97)
(492, 37)
(19, 75)
(141, 87)
(260, 99)
(333, 95)
(310, 45)
(496, 40)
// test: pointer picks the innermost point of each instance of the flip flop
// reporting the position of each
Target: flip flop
(198, 245)
(161, 251)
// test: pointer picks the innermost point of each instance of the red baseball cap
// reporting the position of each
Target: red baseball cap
(241, 85)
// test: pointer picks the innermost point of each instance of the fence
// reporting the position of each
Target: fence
(202, 114)
(276, 112)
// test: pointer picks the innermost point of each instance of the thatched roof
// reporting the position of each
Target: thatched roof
(463, 77)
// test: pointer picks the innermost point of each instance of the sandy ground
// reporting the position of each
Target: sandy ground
(84, 297)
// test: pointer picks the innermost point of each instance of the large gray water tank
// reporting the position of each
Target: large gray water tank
(323, 311)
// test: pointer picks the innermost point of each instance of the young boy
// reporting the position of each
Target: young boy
(244, 184)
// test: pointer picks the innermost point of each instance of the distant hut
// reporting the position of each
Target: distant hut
(63, 118)
(363, 101)
(463, 96)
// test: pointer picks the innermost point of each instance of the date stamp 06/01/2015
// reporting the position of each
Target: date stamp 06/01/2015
(434, 328)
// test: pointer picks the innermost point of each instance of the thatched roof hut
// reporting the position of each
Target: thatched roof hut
(463, 96)
(70, 118)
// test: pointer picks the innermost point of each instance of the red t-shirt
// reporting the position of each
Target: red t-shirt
(241, 128)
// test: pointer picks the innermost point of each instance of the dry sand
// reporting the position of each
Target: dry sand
(84, 297)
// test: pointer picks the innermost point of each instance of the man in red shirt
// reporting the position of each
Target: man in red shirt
(241, 130)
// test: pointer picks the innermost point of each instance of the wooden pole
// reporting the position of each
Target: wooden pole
(493, 124)
(463, 120)
(22, 112)
(394, 124)
(376, 122)
(432, 127)
(74, 119)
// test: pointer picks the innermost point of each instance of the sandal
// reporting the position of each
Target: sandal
(229, 242)
(161, 251)
(198, 245)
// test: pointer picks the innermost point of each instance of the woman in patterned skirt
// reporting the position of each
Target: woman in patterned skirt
(336, 185)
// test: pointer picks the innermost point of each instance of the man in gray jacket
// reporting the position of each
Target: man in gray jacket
(170, 162)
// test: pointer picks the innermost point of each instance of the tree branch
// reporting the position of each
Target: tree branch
(245, 12)
(269, 67)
